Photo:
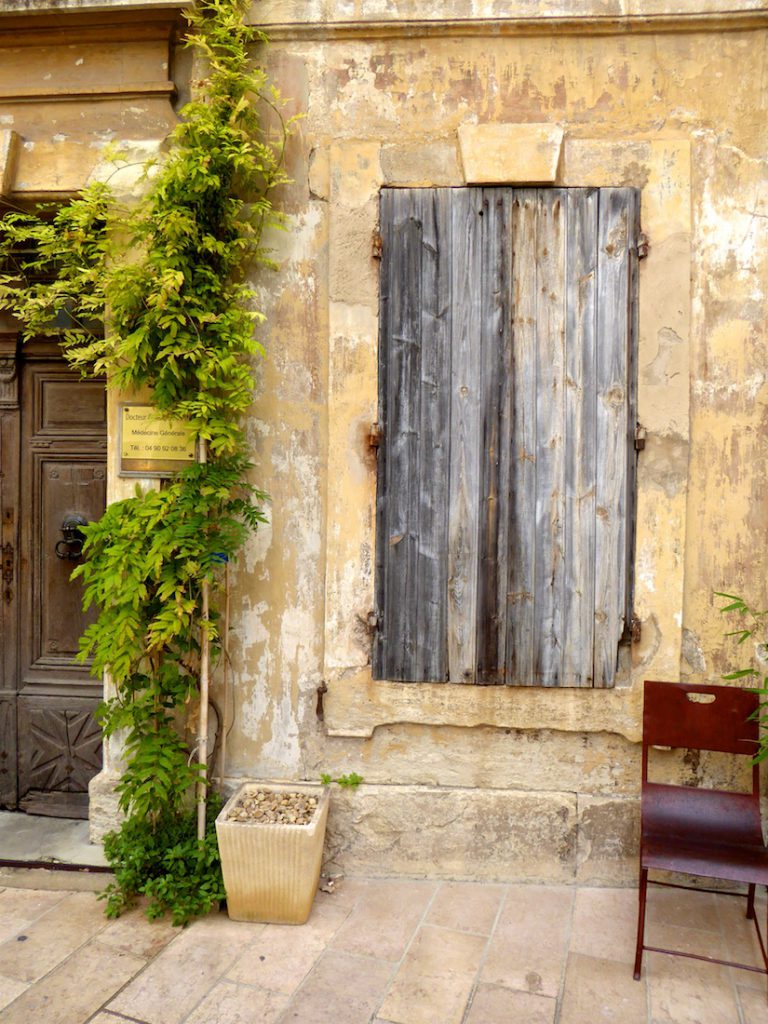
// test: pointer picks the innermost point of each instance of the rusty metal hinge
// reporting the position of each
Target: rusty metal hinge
(8, 571)
(640, 435)
(8, 563)
(635, 629)
(374, 435)
(643, 245)
(377, 246)
(320, 709)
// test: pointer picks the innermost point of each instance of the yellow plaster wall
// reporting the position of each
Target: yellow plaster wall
(665, 96)
(678, 114)
(70, 86)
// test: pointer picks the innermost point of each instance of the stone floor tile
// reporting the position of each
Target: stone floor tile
(10, 989)
(434, 982)
(494, 1004)
(20, 907)
(528, 947)
(277, 962)
(185, 971)
(105, 1017)
(281, 956)
(52, 937)
(685, 940)
(754, 1002)
(740, 937)
(599, 990)
(684, 991)
(670, 906)
(77, 988)
(228, 1003)
(605, 924)
(346, 891)
(748, 979)
(466, 906)
(384, 918)
(342, 989)
(326, 918)
(133, 932)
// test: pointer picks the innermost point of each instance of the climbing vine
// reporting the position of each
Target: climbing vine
(751, 629)
(154, 296)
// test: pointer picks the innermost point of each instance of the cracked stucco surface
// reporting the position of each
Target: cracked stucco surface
(680, 115)
(638, 110)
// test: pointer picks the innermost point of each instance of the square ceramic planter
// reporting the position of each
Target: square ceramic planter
(271, 871)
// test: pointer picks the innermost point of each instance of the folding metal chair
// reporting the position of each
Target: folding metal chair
(705, 832)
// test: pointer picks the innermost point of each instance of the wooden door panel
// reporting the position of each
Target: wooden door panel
(60, 753)
(57, 413)
(65, 486)
(9, 559)
(8, 752)
(9, 548)
(62, 471)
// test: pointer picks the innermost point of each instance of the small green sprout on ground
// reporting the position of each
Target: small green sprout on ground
(351, 781)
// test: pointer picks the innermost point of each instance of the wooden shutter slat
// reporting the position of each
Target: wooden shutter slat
(549, 536)
(463, 551)
(380, 652)
(495, 366)
(630, 515)
(580, 428)
(611, 579)
(521, 559)
(430, 656)
(403, 423)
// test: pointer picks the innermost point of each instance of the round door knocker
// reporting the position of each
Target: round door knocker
(71, 547)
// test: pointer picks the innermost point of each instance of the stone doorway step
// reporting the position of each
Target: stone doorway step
(49, 853)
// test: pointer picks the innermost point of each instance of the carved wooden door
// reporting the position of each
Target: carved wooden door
(53, 463)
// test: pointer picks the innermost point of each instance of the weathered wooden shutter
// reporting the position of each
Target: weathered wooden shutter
(506, 468)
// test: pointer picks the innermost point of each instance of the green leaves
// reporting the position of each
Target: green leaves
(169, 269)
(351, 781)
(163, 861)
(737, 605)
(154, 297)
(146, 561)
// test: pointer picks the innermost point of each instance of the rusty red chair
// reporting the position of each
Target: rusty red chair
(703, 832)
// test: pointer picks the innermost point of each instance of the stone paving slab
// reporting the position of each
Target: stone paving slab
(383, 951)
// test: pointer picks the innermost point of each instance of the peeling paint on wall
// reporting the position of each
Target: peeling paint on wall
(677, 114)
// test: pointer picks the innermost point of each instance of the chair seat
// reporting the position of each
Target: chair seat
(735, 863)
(695, 830)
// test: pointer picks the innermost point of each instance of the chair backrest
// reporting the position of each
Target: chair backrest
(699, 717)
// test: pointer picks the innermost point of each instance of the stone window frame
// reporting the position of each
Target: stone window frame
(351, 173)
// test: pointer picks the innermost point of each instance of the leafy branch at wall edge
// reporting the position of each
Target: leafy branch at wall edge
(154, 295)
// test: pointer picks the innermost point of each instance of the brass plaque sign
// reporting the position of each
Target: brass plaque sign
(151, 445)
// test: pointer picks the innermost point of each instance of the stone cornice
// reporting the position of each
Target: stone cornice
(48, 7)
(74, 94)
(722, 21)
(86, 25)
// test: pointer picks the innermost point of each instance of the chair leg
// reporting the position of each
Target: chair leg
(641, 896)
(751, 902)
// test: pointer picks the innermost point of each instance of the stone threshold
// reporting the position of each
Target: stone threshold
(49, 853)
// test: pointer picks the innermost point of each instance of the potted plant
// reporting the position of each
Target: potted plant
(271, 837)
